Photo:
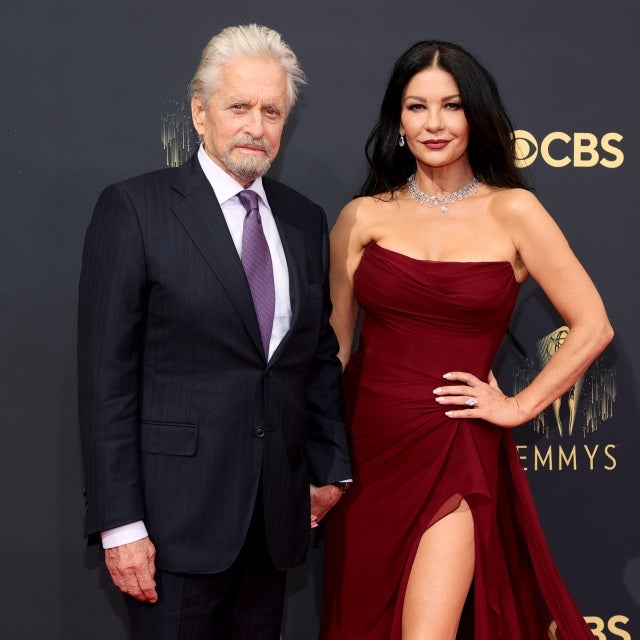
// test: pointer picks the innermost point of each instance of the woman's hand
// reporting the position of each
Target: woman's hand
(474, 398)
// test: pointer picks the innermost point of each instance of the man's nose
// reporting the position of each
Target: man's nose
(255, 123)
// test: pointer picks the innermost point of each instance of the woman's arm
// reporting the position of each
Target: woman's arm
(347, 245)
(544, 252)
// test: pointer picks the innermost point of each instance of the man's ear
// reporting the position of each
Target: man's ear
(198, 113)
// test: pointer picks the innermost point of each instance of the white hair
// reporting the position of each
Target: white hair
(245, 41)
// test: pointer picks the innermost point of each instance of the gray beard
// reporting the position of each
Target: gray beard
(251, 167)
(246, 168)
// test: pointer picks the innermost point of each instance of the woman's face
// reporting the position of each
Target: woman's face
(432, 119)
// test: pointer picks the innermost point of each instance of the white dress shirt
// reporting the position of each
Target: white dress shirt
(226, 190)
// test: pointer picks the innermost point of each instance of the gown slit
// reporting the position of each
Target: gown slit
(449, 508)
(412, 464)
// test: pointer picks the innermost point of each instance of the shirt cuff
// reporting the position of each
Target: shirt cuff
(123, 535)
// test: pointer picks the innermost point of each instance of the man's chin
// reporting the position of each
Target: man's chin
(249, 171)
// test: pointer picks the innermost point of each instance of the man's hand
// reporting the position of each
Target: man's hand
(322, 499)
(132, 567)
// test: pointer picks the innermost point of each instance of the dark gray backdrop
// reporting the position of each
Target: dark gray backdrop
(84, 89)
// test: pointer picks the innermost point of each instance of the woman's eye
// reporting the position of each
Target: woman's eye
(415, 107)
(453, 106)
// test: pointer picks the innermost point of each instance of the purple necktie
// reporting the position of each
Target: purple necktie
(256, 261)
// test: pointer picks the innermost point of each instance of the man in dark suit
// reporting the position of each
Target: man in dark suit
(209, 385)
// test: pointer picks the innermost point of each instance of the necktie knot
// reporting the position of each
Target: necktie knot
(249, 200)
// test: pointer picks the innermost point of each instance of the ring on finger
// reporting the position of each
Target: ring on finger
(471, 402)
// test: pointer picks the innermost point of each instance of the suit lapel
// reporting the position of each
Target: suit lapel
(202, 218)
(293, 245)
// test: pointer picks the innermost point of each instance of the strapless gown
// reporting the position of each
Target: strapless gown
(413, 465)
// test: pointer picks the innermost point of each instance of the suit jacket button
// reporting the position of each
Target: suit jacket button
(258, 432)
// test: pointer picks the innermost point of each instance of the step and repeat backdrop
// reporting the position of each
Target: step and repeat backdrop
(95, 92)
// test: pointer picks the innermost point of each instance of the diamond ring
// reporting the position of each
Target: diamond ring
(471, 402)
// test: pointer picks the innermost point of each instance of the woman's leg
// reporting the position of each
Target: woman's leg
(440, 578)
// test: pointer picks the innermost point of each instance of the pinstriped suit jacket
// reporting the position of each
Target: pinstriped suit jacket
(180, 413)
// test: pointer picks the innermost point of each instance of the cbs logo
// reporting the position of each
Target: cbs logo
(559, 149)
(601, 628)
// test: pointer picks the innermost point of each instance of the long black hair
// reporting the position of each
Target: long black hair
(491, 148)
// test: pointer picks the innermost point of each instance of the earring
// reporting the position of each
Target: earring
(401, 141)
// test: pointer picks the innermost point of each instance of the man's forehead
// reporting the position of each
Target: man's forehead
(226, 96)
(256, 74)
(251, 81)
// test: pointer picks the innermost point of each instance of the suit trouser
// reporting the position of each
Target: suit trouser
(245, 602)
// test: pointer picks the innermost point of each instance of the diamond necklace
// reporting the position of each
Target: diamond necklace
(448, 198)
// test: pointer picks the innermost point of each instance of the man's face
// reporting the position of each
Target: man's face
(242, 125)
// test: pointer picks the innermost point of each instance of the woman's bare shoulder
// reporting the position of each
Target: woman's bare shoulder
(516, 207)
(513, 201)
(361, 218)
(366, 210)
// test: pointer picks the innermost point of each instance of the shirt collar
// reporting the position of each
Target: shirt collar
(224, 186)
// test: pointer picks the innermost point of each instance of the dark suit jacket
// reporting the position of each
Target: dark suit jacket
(180, 413)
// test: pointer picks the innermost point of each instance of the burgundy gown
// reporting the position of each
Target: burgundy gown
(413, 465)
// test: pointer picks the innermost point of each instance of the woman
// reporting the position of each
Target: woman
(439, 535)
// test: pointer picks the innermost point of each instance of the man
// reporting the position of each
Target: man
(209, 383)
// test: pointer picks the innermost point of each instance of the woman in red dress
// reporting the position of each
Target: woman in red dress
(439, 537)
